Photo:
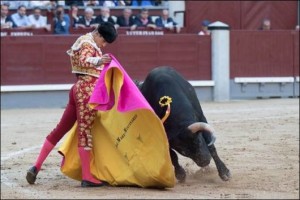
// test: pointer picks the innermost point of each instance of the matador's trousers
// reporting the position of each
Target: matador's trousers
(77, 109)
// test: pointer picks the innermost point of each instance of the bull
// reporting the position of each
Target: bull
(186, 126)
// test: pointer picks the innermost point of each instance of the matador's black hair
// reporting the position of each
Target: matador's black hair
(108, 31)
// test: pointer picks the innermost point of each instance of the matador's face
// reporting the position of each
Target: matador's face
(99, 40)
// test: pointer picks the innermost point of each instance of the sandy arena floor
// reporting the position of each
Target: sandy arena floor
(257, 139)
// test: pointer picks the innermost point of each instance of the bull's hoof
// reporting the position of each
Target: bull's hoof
(180, 174)
(225, 175)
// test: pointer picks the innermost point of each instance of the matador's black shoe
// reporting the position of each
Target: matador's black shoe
(85, 183)
(31, 175)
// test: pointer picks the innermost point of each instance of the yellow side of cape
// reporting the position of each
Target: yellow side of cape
(129, 148)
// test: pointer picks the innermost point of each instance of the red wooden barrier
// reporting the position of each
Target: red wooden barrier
(296, 53)
(42, 59)
(25, 32)
(263, 53)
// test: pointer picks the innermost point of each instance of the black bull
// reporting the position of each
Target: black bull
(186, 126)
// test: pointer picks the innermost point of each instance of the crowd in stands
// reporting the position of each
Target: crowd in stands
(79, 14)
(106, 3)
(61, 21)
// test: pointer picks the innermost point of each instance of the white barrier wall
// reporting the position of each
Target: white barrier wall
(220, 60)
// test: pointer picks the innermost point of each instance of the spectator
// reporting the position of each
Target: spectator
(142, 3)
(143, 20)
(266, 25)
(6, 21)
(71, 2)
(126, 19)
(91, 3)
(164, 3)
(37, 20)
(101, 2)
(40, 4)
(105, 16)
(88, 20)
(165, 21)
(16, 4)
(113, 3)
(55, 3)
(75, 16)
(128, 2)
(61, 21)
(20, 18)
(204, 28)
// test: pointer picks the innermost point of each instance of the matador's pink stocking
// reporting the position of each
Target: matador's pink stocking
(85, 164)
(46, 149)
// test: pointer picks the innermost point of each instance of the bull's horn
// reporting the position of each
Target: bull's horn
(200, 126)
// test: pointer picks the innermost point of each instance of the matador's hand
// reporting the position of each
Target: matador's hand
(105, 59)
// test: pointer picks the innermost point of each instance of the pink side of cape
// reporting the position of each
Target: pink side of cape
(130, 97)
